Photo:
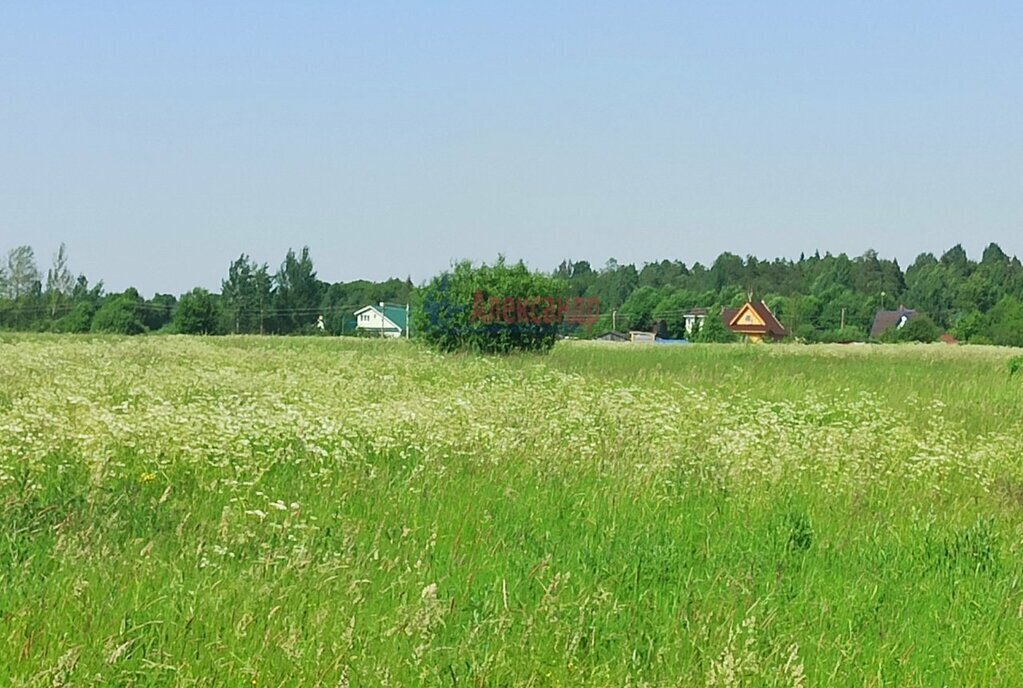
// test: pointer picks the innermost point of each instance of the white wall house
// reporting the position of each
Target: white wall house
(694, 320)
(387, 321)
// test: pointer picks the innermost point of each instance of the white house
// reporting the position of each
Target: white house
(694, 320)
(384, 320)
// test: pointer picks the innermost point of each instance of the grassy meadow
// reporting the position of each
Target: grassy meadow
(321, 512)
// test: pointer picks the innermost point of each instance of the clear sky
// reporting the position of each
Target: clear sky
(161, 140)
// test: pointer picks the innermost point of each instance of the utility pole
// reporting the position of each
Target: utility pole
(408, 323)
(843, 319)
(614, 320)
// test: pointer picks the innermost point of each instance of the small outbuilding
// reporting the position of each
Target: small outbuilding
(637, 337)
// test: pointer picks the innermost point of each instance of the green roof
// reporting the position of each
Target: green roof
(397, 315)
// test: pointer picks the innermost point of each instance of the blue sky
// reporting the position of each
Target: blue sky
(161, 140)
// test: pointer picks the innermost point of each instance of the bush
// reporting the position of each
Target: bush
(78, 320)
(490, 309)
(845, 335)
(119, 315)
(714, 330)
(969, 326)
(919, 328)
(805, 333)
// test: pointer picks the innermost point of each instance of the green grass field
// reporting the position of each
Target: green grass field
(319, 512)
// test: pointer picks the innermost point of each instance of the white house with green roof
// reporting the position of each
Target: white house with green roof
(385, 319)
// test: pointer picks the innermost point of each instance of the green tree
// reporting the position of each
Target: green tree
(933, 288)
(976, 293)
(727, 270)
(21, 285)
(296, 298)
(158, 311)
(613, 285)
(579, 276)
(836, 276)
(21, 275)
(264, 295)
(83, 292)
(1005, 322)
(59, 282)
(245, 295)
(196, 313)
(969, 326)
(672, 309)
(120, 314)
(638, 309)
(956, 261)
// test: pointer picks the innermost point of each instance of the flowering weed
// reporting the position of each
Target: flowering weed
(239, 511)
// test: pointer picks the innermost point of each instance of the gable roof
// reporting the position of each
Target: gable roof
(396, 314)
(885, 320)
(770, 323)
(747, 317)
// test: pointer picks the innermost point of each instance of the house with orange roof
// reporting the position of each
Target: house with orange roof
(755, 321)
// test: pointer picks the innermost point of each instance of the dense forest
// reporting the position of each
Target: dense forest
(818, 298)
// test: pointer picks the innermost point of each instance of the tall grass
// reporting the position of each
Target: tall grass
(248, 511)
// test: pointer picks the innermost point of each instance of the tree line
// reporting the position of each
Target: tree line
(253, 299)
(817, 297)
